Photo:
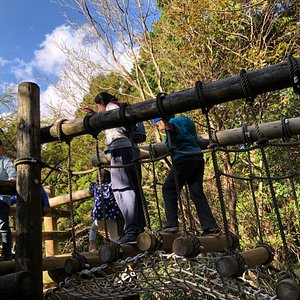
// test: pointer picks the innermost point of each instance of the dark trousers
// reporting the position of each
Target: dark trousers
(190, 172)
(5, 229)
(125, 186)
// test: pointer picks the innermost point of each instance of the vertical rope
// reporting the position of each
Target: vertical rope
(286, 134)
(262, 142)
(213, 145)
(62, 137)
(155, 194)
(188, 206)
(247, 143)
(100, 180)
(94, 133)
(71, 196)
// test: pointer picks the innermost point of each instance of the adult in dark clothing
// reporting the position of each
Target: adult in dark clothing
(190, 170)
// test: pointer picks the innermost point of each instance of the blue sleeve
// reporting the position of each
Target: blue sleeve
(13, 199)
(45, 198)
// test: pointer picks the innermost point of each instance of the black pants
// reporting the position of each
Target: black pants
(190, 172)
(5, 229)
(125, 186)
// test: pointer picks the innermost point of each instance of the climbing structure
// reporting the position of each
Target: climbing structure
(210, 266)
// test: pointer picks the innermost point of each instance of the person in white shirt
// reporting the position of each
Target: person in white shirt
(7, 172)
(125, 182)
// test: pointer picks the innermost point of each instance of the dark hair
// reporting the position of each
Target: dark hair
(105, 174)
(104, 98)
(1, 143)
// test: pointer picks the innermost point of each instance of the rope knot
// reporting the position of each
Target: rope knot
(87, 127)
(159, 106)
(200, 99)
(294, 74)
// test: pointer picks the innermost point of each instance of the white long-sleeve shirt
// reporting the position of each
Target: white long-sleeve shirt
(116, 138)
(7, 171)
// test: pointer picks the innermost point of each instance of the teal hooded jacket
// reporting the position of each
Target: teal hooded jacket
(184, 138)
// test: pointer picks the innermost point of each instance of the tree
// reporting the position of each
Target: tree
(118, 31)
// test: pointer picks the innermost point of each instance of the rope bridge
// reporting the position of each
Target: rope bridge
(160, 272)
(204, 275)
(202, 271)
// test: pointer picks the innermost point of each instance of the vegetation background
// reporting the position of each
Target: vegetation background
(168, 46)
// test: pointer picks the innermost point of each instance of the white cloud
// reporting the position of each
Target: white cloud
(3, 61)
(50, 58)
(23, 71)
(64, 66)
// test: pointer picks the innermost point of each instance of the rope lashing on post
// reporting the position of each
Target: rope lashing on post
(27, 160)
(294, 74)
(86, 124)
(61, 136)
(200, 99)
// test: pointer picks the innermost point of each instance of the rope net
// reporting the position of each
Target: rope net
(161, 272)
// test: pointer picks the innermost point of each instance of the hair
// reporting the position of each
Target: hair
(104, 98)
(1, 143)
(105, 174)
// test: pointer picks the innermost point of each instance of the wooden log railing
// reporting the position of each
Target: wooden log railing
(64, 199)
(269, 130)
(271, 78)
(52, 262)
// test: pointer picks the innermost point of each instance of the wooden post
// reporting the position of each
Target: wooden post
(184, 246)
(29, 204)
(109, 252)
(50, 224)
(17, 285)
(288, 289)
(147, 241)
(233, 266)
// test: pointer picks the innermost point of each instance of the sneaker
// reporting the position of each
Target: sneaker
(128, 239)
(171, 229)
(92, 248)
(5, 258)
(211, 231)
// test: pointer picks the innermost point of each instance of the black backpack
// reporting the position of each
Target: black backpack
(139, 133)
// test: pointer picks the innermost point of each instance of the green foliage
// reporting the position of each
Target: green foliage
(202, 40)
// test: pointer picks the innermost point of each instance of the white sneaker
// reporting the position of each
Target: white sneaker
(171, 229)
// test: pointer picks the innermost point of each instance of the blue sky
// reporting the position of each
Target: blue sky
(35, 38)
(23, 26)
(27, 53)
